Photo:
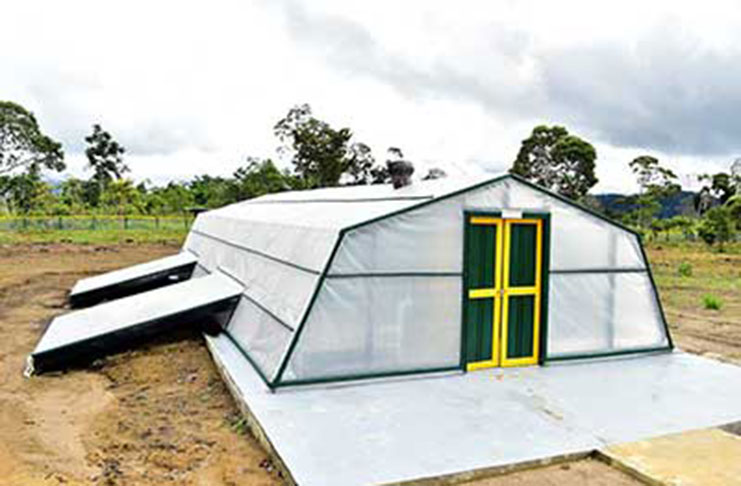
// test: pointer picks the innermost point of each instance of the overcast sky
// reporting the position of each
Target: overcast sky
(195, 87)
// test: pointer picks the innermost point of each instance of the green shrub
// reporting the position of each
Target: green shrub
(684, 269)
(711, 302)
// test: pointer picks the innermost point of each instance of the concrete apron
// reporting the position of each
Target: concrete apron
(435, 430)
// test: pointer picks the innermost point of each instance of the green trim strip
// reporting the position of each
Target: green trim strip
(255, 252)
(544, 285)
(247, 356)
(365, 376)
(656, 293)
(572, 203)
(394, 274)
(606, 354)
(425, 203)
(600, 270)
(302, 324)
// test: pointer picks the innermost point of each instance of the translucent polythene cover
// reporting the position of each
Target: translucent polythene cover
(602, 312)
(429, 239)
(279, 287)
(376, 325)
(260, 335)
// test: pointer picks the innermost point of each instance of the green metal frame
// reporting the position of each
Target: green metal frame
(367, 376)
(277, 382)
(605, 354)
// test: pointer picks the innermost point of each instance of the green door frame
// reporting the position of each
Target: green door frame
(545, 267)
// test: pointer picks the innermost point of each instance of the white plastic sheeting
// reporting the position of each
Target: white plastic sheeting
(602, 312)
(260, 335)
(378, 325)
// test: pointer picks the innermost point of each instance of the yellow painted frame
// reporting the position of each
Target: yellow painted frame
(488, 293)
(507, 291)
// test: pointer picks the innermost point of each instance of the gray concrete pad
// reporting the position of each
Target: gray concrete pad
(390, 431)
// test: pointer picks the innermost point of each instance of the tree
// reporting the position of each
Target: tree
(122, 195)
(258, 178)
(105, 156)
(322, 155)
(558, 161)
(722, 186)
(72, 194)
(26, 193)
(717, 226)
(656, 183)
(23, 145)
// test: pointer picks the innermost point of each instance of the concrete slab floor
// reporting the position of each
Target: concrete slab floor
(708, 457)
(402, 430)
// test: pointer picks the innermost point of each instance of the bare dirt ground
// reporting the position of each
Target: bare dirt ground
(588, 472)
(161, 415)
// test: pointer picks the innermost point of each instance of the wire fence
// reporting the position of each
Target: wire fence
(95, 223)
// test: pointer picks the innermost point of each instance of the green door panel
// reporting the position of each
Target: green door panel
(481, 253)
(520, 326)
(480, 317)
(480, 272)
(523, 247)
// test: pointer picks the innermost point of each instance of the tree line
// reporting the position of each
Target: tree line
(324, 156)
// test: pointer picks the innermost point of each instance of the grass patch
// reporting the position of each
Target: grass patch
(170, 236)
(684, 269)
(711, 302)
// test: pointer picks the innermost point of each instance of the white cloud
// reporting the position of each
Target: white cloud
(192, 88)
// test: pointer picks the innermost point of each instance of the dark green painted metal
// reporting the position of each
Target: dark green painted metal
(247, 356)
(255, 252)
(482, 251)
(545, 263)
(367, 376)
(522, 249)
(670, 342)
(607, 354)
(302, 324)
(520, 326)
(599, 270)
(480, 316)
(572, 203)
(430, 201)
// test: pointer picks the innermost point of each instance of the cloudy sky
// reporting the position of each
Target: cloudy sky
(195, 87)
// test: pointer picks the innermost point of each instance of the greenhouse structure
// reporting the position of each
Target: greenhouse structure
(369, 281)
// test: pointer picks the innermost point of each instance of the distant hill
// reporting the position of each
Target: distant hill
(680, 204)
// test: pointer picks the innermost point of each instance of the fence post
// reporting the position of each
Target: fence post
(59, 222)
(126, 222)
